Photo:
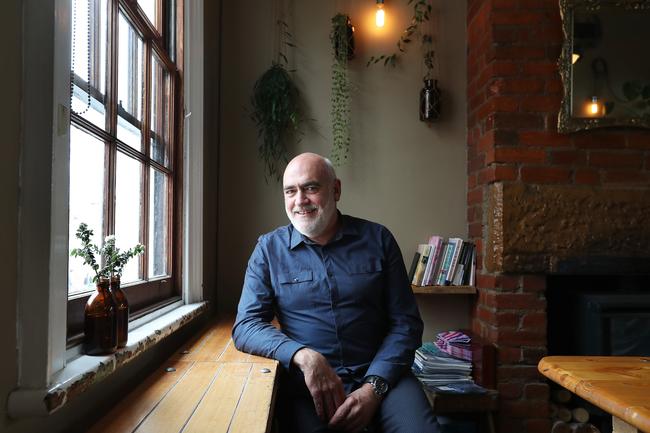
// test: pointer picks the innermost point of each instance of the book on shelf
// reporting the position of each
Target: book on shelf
(441, 262)
(458, 245)
(436, 243)
(424, 250)
(414, 264)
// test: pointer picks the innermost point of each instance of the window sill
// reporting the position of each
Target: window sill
(83, 371)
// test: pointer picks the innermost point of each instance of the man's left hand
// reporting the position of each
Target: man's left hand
(357, 410)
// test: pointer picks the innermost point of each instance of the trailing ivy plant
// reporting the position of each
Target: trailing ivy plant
(276, 110)
(342, 39)
(421, 14)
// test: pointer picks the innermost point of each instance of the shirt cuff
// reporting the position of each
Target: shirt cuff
(390, 372)
(285, 351)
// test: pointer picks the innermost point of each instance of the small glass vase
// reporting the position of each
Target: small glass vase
(122, 312)
(430, 101)
(100, 336)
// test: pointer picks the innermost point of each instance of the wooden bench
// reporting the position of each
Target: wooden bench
(206, 386)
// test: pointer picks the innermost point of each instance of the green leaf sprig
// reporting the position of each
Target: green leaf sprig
(342, 40)
(421, 14)
(114, 260)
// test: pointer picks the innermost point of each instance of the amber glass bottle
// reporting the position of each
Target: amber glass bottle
(100, 336)
(121, 313)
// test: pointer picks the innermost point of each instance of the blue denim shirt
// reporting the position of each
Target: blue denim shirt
(349, 300)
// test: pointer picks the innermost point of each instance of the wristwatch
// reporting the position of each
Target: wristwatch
(379, 384)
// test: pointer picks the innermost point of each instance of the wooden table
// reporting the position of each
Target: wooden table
(620, 385)
(206, 386)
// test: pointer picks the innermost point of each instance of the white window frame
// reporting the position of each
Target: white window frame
(44, 192)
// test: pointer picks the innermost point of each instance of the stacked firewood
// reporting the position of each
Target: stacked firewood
(568, 419)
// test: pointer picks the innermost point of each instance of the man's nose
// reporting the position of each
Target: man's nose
(301, 197)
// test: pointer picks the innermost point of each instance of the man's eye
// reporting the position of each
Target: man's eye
(289, 191)
(311, 189)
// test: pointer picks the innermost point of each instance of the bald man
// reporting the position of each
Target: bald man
(349, 322)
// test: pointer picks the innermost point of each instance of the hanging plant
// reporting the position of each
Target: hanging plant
(421, 14)
(276, 110)
(342, 39)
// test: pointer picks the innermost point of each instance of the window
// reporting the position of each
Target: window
(124, 147)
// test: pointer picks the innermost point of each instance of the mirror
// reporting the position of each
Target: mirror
(605, 64)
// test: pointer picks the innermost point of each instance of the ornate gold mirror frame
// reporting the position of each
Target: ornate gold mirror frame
(629, 103)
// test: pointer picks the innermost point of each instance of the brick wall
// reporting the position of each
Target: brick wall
(514, 96)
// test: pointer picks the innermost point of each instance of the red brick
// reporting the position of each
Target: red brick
(544, 138)
(503, 68)
(533, 320)
(514, 121)
(516, 86)
(568, 157)
(496, 173)
(517, 372)
(626, 177)
(587, 177)
(509, 355)
(639, 141)
(474, 214)
(517, 154)
(498, 104)
(475, 229)
(509, 425)
(516, 53)
(525, 301)
(536, 391)
(486, 281)
(507, 320)
(592, 140)
(485, 314)
(540, 68)
(532, 355)
(554, 87)
(615, 160)
(545, 175)
(541, 103)
(475, 196)
(509, 282)
(534, 283)
(524, 338)
(504, 34)
(510, 391)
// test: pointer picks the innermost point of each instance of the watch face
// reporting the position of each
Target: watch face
(379, 385)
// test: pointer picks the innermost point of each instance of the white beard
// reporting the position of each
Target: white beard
(315, 226)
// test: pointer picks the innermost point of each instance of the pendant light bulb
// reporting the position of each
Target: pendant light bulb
(380, 14)
(595, 107)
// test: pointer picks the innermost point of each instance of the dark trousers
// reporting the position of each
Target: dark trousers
(405, 409)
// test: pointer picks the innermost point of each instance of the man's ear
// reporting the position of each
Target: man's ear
(337, 189)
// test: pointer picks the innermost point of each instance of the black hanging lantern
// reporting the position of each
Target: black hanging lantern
(430, 101)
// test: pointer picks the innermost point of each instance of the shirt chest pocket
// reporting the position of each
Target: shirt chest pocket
(296, 289)
(365, 281)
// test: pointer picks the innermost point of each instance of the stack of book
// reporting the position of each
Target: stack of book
(444, 262)
(434, 367)
(455, 343)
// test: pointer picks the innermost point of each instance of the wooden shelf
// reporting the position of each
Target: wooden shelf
(441, 290)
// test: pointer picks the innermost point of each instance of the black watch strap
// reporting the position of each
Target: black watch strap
(379, 384)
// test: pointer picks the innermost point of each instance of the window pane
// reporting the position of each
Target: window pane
(88, 57)
(158, 223)
(128, 211)
(160, 111)
(130, 85)
(152, 10)
(86, 202)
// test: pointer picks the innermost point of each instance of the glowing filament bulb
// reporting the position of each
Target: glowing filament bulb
(594, 106)
(380, 14)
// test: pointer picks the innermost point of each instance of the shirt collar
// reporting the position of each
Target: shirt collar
(347, 228)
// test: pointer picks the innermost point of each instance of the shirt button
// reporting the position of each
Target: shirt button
(295, 280)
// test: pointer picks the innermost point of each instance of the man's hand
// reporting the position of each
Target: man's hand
(357, 410)
(325, 387)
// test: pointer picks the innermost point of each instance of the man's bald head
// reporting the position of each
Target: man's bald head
(312, 161)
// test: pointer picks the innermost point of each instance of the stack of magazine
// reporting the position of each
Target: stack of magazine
(435, 368)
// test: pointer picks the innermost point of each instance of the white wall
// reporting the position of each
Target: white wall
(403, 173)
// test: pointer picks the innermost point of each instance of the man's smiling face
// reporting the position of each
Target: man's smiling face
(310, 195)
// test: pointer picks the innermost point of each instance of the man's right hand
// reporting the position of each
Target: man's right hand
(325, 387)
